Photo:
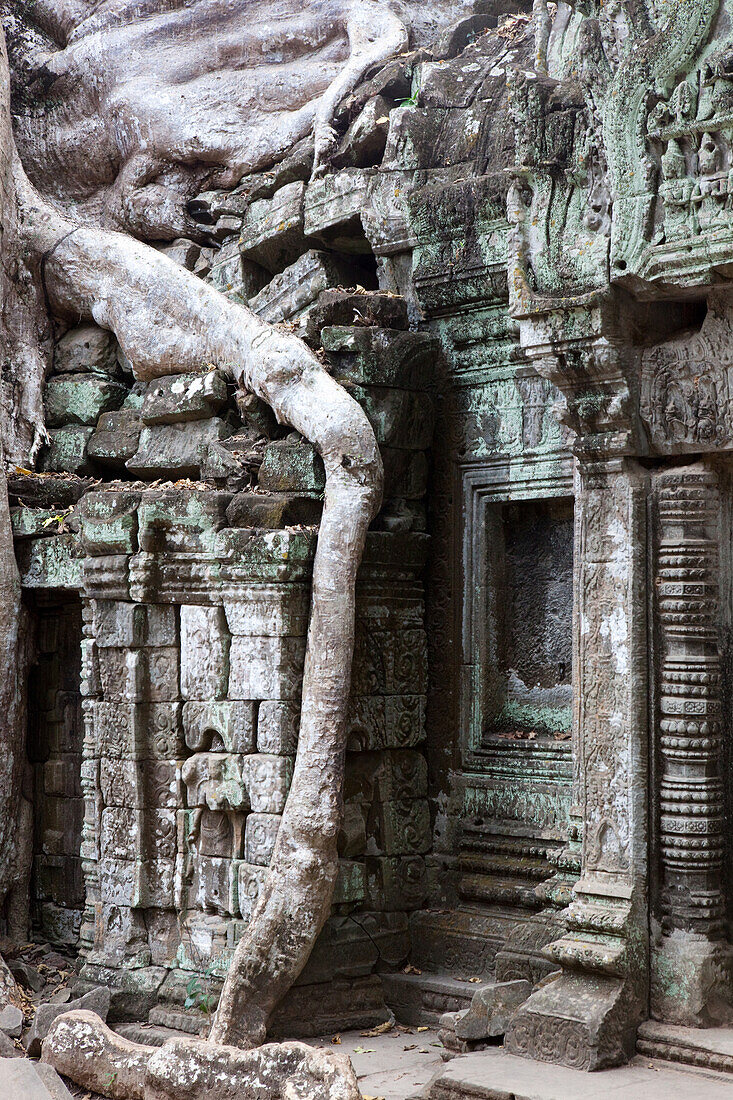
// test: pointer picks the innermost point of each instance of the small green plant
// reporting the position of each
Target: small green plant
(411, 100)
(199, 995)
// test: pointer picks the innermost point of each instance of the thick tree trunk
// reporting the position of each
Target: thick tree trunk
(166, 320)
(20, 358)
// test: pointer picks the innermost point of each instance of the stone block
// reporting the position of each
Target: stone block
(250, 881)
(179, 398)
(393, 662)
(58, 879)
(215, 780)
(96, 1001)
(299, 286)
(373, 356)
(350, 883)
(492, 1007)
(51, 563)
(278, 723)
(138, 731)
(352, 838)
(272, 229)
(400, 418)
(284, 556)
(220, 726)
(396, 883)
(33, 523)
(139, 675)
(176, 450)
(138, 834)
(11, 1021)
(274, 510)
(138, 884)
(119, 623)
(363, 143)
(181, 521)
(267, 780)
(139, 784)
(235, 276)
(116, 438)
(61, 777)
(120, 936)
(204, 653)
(134, 992)
(109, 523)
(341, 309)
(80, 398)
(404, 722)
(86, 349)
(269, 611)
(67, 450)
(183, 251)
(60, 925)
(400, 775)
(405, 473)
(61, 824)
(266, 668)
(366, 722)
(401, 828)
(163, 935)
(215, 885)
(259, 837)
(333, 206)
(291, 466)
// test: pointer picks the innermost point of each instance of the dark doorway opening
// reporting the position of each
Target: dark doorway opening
(55, 743)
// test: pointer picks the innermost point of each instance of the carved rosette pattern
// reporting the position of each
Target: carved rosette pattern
(691, 821)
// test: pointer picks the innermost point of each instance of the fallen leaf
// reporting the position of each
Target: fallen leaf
(412, 1046)
(336, 1040)
(474, 980)
(380, 1029)
(410, 969)
(364, 1050)
(423, 1029)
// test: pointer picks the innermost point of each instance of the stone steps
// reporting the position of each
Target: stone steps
(421, 999)
(704, 1048)
(463, 940)
(492, 1074)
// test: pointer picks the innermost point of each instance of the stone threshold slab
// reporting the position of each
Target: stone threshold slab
(710, 1047)
(494, 1075)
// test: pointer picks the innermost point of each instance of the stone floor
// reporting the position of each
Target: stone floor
(406, 1065)
(400, 1066)
(393, 1066)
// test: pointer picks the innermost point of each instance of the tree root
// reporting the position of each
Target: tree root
(83, 1048)
(167, 321)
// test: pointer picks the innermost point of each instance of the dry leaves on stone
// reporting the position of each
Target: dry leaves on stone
(380, 1029)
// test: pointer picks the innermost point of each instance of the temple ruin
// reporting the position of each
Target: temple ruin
(507, 234)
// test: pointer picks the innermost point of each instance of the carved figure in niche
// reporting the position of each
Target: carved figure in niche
(680, 217)
(708, 157)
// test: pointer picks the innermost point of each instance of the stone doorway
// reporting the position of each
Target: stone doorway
(54, 748)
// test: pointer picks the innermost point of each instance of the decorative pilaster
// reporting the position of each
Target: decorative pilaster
(691, 970)
(588, 1017)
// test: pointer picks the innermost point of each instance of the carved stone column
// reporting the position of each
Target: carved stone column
(691, 962)
(588, 1017)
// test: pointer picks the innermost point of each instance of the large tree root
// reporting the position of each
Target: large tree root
(166, 321)
(82, 1047)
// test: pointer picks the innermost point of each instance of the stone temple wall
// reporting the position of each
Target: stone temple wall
(194, 600)
(187, 521)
